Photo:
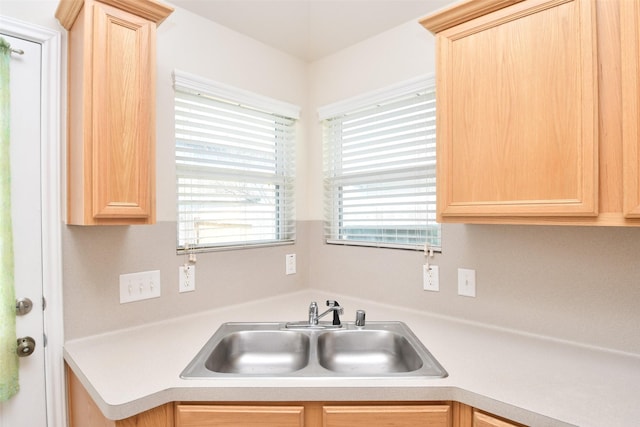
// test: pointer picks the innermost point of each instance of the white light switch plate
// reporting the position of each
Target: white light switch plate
(139, 286)
(466, 282)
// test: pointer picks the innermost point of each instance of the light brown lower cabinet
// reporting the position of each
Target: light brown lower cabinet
(467, 416)
(482, 419)
(83, 412)
(239, 415)
(314, 414)
(299, 414)
(431, 415)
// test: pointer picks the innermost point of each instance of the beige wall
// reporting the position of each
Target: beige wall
(575, 283)
(572, 283)
(95, 256)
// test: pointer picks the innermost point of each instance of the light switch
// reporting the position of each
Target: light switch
(466, 282)
(138, 286)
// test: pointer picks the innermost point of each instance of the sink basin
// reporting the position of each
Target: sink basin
(379, 349)
(367, 352)
(260, 352)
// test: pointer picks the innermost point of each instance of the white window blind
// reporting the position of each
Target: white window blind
(379, 168)
(235, 167)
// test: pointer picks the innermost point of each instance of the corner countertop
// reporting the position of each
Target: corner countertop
(529, 379)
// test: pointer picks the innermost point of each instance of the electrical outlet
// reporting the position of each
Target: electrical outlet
(466, 282)
(187, 274)
(431, 278)
(290, 264)
(139, 286)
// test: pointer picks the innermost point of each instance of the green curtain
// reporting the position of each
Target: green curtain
(8, 357)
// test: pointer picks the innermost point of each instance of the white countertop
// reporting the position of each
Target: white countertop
(529, 379)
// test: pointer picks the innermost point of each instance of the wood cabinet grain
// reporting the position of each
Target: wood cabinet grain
(529, 112)
(111, 112)
(387, 415)
(630, 54)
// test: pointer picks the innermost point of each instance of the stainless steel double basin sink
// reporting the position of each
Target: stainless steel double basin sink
(379, 349)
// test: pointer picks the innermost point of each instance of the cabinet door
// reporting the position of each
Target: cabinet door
(517, 123)
(630, 45)
(387, 416)
(162, 416)
(481, 419)
(123, 152)
(239, 416)
(83, 412)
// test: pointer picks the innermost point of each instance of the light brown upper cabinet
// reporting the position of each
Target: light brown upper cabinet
(630, 43)
(529, 112)
(111, 112)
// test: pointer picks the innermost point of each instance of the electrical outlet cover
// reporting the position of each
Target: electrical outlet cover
(187, 274)
(431, 278)
(290, 264)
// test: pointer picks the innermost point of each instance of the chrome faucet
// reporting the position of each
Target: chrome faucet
(314, 317)
(313, 313)
(334, 308)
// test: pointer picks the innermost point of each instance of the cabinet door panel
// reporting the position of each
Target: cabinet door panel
(481, 419)
(162, 416)
(239, 416)
(517, 123)
(387, 416)
(630, 45)
(122, 114)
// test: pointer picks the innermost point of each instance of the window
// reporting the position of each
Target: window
(235, 163)
(379, 168)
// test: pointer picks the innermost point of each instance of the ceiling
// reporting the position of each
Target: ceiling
(311, 29)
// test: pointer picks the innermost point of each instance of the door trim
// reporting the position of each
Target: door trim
(51, 179)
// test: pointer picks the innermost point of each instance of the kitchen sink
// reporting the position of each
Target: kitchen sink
(260, 352)
(378, 349)
(367, 352)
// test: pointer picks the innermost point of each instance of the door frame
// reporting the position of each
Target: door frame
(51, 215)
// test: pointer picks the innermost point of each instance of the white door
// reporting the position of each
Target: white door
(28, 407)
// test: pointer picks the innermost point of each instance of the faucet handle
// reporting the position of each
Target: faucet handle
(360, 315)
(336, 307)
(337, 310)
